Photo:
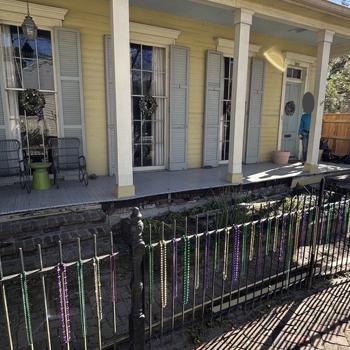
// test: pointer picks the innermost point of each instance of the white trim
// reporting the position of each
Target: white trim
(226, 46)
(13, 12)
(151, 34)
(297, 60)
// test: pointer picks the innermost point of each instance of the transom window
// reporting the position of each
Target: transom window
(148, 76)
(29, 65)
(294, 73)
(224, 141)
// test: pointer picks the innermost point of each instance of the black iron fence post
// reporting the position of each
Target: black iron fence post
(137, 249)
(315, 231)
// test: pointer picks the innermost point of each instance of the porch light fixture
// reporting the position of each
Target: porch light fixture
(30, 30)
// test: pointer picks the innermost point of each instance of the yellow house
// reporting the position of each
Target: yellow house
(169, 84)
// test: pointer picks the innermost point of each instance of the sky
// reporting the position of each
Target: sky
(336, 1)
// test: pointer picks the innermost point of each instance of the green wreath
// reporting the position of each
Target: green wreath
(32, 101)
(148, 105)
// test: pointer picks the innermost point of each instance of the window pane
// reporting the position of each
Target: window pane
(147, 83)
(147, 57)
(226, 89)
(136, 108)
(159, 84)
(137, 131)
(30, 74)
(147, 132)
(44, 44)
(147, 157)
(137, 155)
(136, 82)
(28, 47)
(15, 40)
(46, 75)
(227, 67)
(135, 56)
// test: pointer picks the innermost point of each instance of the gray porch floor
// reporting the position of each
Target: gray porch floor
(14, 199)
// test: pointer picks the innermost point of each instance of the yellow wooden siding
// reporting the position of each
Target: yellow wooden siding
(91, 18)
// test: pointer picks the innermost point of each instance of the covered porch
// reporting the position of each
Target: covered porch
(270, 50)
(148, 184)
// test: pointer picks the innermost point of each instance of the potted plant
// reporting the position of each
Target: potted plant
(281, 157)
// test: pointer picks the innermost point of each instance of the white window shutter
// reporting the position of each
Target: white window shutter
(110, 105)
(255, 111)
(213, 107)
(70, 84)
(179, 71)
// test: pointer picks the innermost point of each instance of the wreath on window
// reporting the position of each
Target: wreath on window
(148, 105)
(33, 102)
(289, 108)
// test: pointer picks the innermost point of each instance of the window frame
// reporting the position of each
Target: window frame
(166, 108)
(11, 122)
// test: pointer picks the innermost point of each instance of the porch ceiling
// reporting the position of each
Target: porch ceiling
(222, 16)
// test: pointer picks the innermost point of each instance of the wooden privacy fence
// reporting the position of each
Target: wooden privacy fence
(336, 130)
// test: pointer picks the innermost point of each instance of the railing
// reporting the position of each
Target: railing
(190, 271)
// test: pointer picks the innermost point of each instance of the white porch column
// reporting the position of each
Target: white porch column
(325, 39)
(242, 22)
(121, 55)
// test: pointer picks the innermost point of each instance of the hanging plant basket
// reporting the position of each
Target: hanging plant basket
(33, 102)
(148, 105)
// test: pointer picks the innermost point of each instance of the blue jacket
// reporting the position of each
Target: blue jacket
(305, 122)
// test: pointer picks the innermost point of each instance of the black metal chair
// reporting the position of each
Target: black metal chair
(13, 163)
(66, 155)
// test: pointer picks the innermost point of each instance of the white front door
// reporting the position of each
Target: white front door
(290, 138)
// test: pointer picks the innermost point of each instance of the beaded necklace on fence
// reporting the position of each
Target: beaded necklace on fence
(206, 260)
(252, 242)
(296, 237)
(235, 253)
(275, 235)
(346, 213)
(339, 223)
(151, 273)
(244, 249)
(64, 302)
(260, 248)
(112, 268)
(283, 239)
(26, 308)
(329, 223)
(163, 274)
(303, 229)
(186, 270)
(320, 239)
(268, 235)
(226, 251)
(80, 271)
(196, 258)
(98, 294)
(174, 279)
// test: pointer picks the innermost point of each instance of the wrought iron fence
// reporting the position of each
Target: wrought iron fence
(191, 270)
(201, 275)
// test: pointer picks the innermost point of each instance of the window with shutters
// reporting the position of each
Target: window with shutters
(29, 65)
(149, 78)
(224, 139)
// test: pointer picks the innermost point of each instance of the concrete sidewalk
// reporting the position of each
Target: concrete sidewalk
(299, 319)
(318, 321)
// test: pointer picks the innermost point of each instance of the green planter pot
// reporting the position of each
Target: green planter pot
(41, 180)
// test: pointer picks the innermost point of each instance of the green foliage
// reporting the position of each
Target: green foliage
(338, 85)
